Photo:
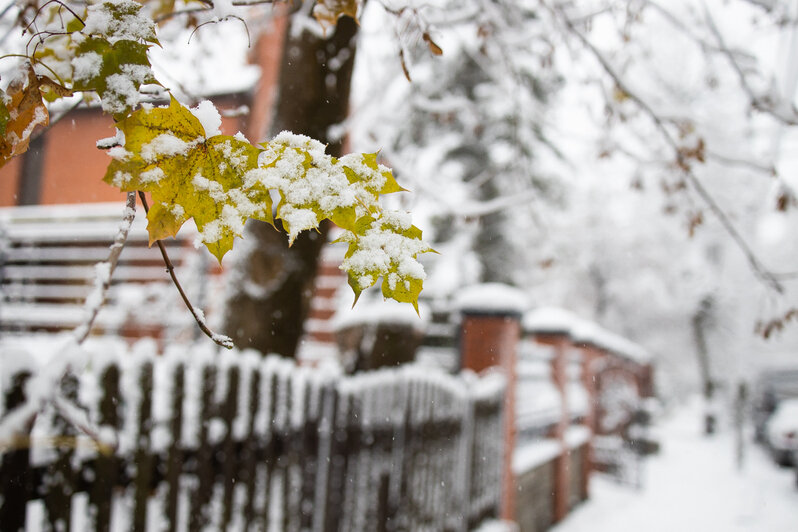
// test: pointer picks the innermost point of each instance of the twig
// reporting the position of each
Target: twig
(78, 419)
(172, 14)
(39, 10)
(785, 114)
(219, 339)
(733, 161)
(209, 7)
(105, 271)
(682, 27)
(15, 421)
(759, 270)
(228, 17)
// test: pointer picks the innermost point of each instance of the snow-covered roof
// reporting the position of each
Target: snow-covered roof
(491, 298)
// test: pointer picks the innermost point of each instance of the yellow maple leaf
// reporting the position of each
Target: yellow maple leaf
(189, 175)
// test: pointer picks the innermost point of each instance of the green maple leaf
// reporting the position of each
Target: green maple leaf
(167, 154)
(314, 186)
(384, 184)
(385, 245)
(115, 71)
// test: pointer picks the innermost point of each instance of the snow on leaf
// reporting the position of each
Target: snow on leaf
(188, 175)
(26, 110)
(386, 245)
(313, 185)
(114, 70)
(120, 20)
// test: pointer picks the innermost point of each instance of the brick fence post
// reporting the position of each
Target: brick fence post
(490, 332)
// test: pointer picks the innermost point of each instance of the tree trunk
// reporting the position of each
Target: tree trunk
(700, 321)
(272, 287)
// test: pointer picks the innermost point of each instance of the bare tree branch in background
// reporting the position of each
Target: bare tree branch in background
(682, 156)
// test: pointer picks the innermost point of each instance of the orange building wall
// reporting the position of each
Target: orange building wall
(73, 166)
(9, 182)
(267, 52)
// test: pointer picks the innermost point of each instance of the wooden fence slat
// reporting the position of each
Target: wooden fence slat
(15, 472)
(336, 479)
(325, 423)
(229, 457)
(270, 449)
(61, 475)
(174, 456)
(143, 456)
(284, 462)
(106, 469)
(249, 451)
(308, 450)
(203, 488)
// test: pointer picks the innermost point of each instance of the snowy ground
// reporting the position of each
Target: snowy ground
(694, 485)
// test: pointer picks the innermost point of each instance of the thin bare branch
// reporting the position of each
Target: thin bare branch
(228, 17)
(62, 6)
(183, 12)
(78, 419)
(679, 24)
(742, 163)
(780, 109)
(105, 271)
(219, 339)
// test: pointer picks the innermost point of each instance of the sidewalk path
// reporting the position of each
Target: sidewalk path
(693, 485)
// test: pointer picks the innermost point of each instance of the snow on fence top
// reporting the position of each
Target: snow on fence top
(553, 320)
(491, 298)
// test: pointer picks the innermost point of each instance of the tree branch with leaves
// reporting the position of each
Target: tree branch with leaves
(99, 52)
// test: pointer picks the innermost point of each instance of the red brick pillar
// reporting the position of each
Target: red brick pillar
(490, 333)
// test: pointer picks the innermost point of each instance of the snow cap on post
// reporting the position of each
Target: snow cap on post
(491, 299)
